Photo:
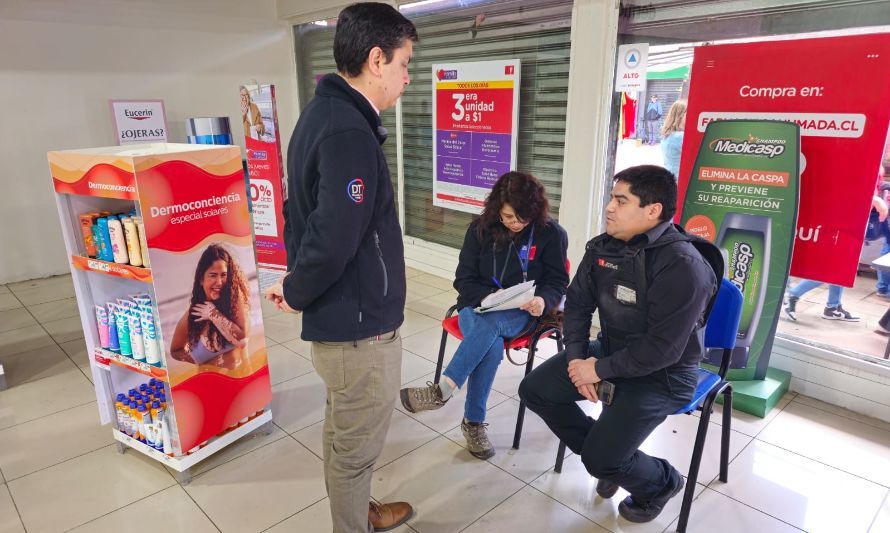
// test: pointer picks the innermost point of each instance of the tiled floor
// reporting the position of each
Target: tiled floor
(808, 466)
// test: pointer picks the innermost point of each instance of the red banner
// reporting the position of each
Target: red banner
(267, 188)
(838, 90)
(483, 109)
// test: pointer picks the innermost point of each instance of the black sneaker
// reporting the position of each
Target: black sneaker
(639, 513)
(791, 307)
(606, 489)
(838, 313)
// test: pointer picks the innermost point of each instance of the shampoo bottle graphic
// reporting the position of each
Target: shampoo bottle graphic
(745, 242)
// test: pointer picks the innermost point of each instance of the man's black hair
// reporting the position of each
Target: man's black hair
(361, 27)
(653, 185)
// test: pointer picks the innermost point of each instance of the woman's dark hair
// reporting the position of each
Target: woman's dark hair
(361, 27)
(233, 295)
(527, 197)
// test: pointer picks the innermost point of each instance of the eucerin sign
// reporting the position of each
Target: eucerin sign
(139, 121)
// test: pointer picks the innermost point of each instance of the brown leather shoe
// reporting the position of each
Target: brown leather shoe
(386, 516)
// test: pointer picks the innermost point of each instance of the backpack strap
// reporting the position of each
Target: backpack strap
(709, 252)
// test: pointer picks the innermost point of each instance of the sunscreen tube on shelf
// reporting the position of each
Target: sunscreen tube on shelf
(104, 240)
(102, 323)
(113, 340)
(136, 343)
(149, 337)
(132, 238)
(143, 241)
(86, 228)
(118, 241)
(123, 330)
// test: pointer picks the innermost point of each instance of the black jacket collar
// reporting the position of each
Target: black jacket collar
(333, 85)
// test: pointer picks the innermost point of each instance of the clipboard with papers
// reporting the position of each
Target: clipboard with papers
(510, 298)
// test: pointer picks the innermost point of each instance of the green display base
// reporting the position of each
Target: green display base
(758, 397)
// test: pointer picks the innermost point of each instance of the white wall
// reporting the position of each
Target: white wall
(594, 38)
(855, 384)
(60, 63)
(300, 11)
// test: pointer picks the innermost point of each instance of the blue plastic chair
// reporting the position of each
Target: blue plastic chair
(720, 334)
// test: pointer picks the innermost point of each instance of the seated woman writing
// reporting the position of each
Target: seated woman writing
(514, 240)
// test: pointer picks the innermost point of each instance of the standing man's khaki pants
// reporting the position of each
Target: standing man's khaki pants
(363, 379)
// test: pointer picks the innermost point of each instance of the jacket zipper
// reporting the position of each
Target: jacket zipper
(382, 264)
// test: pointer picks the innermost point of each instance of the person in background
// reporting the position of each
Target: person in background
(833, 308)
(513, 240)
(652, 115)
(672, 136)
(879, 205)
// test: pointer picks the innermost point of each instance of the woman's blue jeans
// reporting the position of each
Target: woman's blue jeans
(479, 354)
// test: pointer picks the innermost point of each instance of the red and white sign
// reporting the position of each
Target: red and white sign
(139, 121)
(267, 185)
(838, 90)
(475, 117)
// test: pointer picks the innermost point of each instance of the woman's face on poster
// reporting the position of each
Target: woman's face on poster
(215, 279)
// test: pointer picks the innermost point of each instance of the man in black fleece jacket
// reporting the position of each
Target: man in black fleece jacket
(346, 266)
(652, 287)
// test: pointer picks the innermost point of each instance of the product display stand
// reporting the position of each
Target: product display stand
(161, 249)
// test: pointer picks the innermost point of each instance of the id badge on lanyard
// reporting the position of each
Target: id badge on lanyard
(523, 254)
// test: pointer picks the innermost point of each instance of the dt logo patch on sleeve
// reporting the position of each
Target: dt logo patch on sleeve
(355, 189)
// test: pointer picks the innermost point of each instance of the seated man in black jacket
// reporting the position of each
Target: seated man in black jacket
(652, 288)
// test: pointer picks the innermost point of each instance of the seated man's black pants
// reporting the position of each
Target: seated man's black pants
(608, 446)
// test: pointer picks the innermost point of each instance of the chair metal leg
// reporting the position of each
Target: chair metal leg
(520, 417)
(724, 439)
(560, 456)
(441, 358)
(697, 450)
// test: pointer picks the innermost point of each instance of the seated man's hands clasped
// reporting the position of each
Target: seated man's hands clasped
(582, 372)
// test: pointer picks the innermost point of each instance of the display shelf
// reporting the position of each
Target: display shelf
(142, 367)
(185, 209)
(184, 462)
(90, 264)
